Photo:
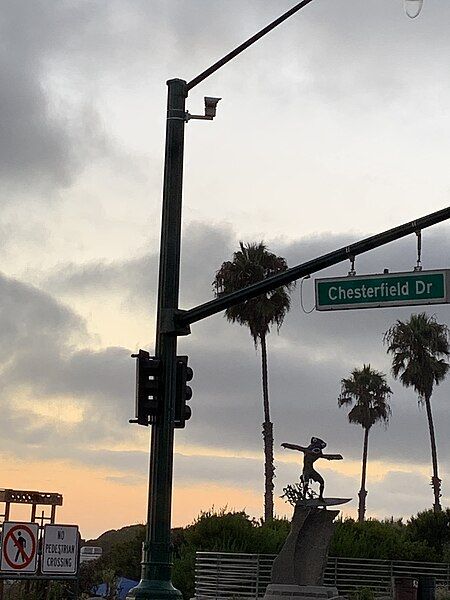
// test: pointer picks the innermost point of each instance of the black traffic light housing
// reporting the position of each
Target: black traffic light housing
(184, 373)
(148, 388)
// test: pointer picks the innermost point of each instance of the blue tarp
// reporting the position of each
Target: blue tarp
(123, 587)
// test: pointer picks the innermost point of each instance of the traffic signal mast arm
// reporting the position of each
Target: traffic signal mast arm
(182, 319)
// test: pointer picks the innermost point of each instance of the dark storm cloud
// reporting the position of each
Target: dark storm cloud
(45, 139)
(30, 318)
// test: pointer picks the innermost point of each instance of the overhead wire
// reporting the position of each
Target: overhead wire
(307, 312)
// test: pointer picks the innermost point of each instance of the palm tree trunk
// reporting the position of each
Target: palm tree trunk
(435, 481)
(269, 469)
(363, 492)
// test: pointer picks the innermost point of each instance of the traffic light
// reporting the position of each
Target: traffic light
(148, 388)
(183, 392)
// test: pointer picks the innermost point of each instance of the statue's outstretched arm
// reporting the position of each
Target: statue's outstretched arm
(293, 447)
(332, 456)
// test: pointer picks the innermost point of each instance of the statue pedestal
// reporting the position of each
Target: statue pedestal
(277, 591)
(298, 570)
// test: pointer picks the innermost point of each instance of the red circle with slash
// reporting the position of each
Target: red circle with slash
(26, 557)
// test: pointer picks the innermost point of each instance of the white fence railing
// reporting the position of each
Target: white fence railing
(229, 575)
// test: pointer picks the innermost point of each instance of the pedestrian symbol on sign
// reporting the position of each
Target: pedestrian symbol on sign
(21, 544)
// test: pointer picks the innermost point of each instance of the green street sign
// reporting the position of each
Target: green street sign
(386, 289)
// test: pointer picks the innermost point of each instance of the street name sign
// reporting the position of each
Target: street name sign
(60, 550)
(385, 289)
(19, 547)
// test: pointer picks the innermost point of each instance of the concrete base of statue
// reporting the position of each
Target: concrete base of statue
(298, 570)
(303, 557)
(277, 591)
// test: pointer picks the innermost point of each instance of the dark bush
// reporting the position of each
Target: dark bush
(433, 529)
(386, 540)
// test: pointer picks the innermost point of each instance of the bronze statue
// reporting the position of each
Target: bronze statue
(312, 453)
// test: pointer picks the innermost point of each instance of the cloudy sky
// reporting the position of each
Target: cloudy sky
(334, 127)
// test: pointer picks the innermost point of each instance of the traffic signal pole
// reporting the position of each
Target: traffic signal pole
(156, 552)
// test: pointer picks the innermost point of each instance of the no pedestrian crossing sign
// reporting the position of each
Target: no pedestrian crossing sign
(386, 289)
(19, 547)
(60, 550)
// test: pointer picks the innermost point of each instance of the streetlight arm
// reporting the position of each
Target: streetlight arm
(223, 61)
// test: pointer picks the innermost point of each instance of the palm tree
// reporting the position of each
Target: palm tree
(420, 347)
(369, 393)
(252, 263)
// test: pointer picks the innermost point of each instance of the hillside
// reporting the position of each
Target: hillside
(111, 538)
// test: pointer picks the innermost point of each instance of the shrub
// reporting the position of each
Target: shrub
(363, 593)
(442, 593)
(386, 540)
(433, 529)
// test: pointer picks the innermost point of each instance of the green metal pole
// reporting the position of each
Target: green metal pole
(156, 572)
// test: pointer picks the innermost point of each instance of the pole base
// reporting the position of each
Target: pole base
(148, 589)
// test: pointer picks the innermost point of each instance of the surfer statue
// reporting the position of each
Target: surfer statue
(312, 453)
(299, 569)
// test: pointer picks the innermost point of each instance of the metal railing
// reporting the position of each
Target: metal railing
(223, 575)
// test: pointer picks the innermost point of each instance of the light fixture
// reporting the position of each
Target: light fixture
(413, 7)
